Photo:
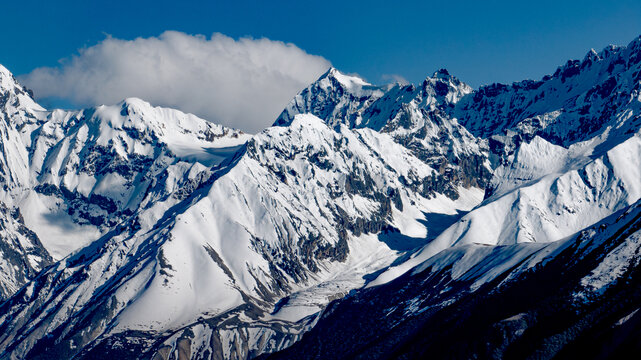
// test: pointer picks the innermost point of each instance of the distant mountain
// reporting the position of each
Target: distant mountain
(580, 101)
(420, 214)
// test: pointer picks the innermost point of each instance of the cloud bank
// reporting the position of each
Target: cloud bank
(242, 83)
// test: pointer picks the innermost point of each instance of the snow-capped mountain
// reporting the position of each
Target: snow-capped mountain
(133, 231)
(419, 118)
(518, 276)
(576, 103)
(69, 177)
(236, 246)
(93, 168)
(22, 254)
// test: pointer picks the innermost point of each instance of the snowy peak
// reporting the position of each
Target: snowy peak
(446, 89)
(136, 118)
(408, 108)
(101, 165)
(342, 99)
(334, 80)
(13, 95)
(591, 56)
(442, 74)
(418, 118)
(7, 80)
(347, 81)
(335, 98)
(136, 128)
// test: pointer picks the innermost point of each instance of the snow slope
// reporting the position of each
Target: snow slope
(22, 254)
(558, 192)
(69, 177)
(294, 214)
(575, 298)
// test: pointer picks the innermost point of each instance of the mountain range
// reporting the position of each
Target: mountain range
(396, 221)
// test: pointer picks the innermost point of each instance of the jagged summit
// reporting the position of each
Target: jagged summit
(580, 100)
(349, 100)
(334, 97)
(441, 73)
(14, 96)
(592, 55)
(348, 81)
(445, 87)
(7, 80)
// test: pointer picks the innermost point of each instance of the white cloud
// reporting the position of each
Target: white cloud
(395, 78)
(243, 83)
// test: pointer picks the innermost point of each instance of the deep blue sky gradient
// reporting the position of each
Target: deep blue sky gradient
(479, 41)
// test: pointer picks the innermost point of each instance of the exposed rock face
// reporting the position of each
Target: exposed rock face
(582, 100)
(22, 255)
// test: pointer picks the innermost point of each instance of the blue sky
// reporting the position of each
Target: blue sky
(478, 41)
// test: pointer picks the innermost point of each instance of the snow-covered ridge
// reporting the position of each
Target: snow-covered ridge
(417, 117)
(546, 194)
(296, 213)
(92, 168)
(69, 176)
(577, 102)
